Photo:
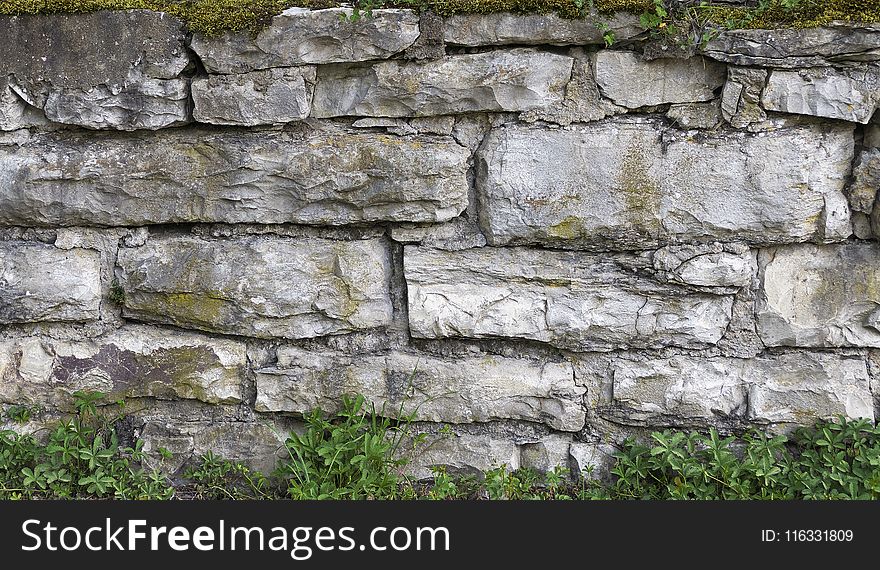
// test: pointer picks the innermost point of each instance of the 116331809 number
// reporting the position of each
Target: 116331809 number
(807, 535)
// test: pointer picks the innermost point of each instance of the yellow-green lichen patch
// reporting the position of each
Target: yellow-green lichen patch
(571, 227)
(640, 191)
(196, 308)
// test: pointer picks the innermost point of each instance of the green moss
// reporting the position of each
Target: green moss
(213, 17)
(804, 14)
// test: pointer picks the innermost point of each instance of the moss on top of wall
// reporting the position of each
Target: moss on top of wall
(213, 17)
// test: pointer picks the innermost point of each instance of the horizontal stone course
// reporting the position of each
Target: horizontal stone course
(570, 300)
(623, 183)
(502, 80)
(309, 176)
(793, 388)
(131, 362)
(632, 82)
(299, 36)
(41, 283)
(835, 43)
(456, 390)
(233, 286)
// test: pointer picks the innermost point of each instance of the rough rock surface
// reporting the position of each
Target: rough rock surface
(582, 102)
(307, 176)
(299, 36)
(820, 296)
(461, 390)
(825, 92)
(797, 47)
(140, 87)
(715, 265)
(14, 112)
(866, 181)
(593, 460)
(472, 453)
(784, 388)
(626, 185)
(271, 96)
(508, 80)
(696, 115)
(189, 432)
(233, 287)
(131, 362)
(659, 81)
(741, 98)
(570, 300)
(505, 28)
(41, 283)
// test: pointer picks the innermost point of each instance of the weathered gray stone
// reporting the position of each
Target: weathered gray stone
(862, 226)
(850, 95)
(567, 299)
(505, 28)
(632, 82)
(131, 362)
(785, 388)
(11, 108)
(875, 221)
(741, 98)
(442, 125)
(866, 181)
(232, 286)
(582, 102)
(473, 453)
(696, 115)
(462, 390)
(680, 387)
(798, 388)
(271, 96)
(628, 185)
(714, 265)
(140, 87)
(140, 103)
(299, 36)
(257, 444)
(820, 296)
(593, 460)
(505, 80)
(430, 44)
(307, 176)
(797, 47)
(41, 283)
(460, 233)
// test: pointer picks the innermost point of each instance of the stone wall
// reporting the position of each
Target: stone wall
(537, 245)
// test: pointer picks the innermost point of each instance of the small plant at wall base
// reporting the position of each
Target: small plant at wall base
(357, 454)
(82, 458)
